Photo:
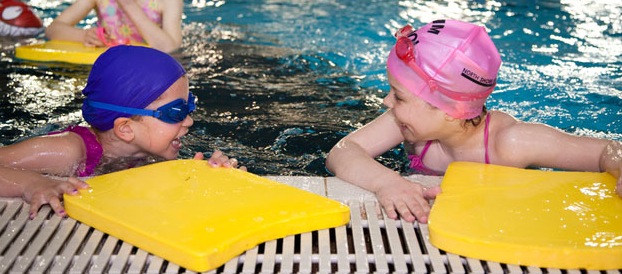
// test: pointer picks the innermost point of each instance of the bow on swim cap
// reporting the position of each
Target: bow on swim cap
(453, 66)
(127, 76)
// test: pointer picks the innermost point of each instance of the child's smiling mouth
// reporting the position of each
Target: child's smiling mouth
(176, 143)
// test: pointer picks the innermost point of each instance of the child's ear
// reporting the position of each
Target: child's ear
(449, 118)
(123, 129)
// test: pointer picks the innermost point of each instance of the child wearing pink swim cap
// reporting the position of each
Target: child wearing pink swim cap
(137, 104)
(440, 76)
(156, 23)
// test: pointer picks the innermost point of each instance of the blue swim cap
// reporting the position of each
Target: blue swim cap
(128, 76)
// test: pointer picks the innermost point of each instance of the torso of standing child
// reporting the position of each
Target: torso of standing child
(118, 25)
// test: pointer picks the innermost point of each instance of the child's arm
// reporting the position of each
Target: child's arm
(168, 38)
(64, 26)
(24, 167)
(611, 161)
(524, 144)
(37, 189)
(352, 160)
(58, 155)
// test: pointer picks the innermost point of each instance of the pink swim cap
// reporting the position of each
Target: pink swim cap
(450, 64)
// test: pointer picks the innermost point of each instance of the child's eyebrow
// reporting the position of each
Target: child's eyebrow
(397, 90)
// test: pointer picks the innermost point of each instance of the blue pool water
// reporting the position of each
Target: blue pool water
(280, 82)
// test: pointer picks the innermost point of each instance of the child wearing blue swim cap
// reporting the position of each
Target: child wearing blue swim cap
(137, 104)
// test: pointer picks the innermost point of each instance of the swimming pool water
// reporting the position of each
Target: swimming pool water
(280, 82)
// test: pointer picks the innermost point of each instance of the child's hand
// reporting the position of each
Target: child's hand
(406, 200)
(49, 190)
(219, 159)
(619, 184)
(611, 161)
(91, 39)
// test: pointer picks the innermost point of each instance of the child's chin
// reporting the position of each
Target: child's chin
(170, 156)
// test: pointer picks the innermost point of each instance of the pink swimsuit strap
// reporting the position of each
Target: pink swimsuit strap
(416, 161)
(486, 158)
(94, 149)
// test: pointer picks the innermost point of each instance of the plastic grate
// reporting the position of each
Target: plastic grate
(369, 243)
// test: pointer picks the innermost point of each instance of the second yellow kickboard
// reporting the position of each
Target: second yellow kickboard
(567, 220)
(61, 51)
(197, 216)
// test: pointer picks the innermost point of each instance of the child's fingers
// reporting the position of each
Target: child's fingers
(34, 208)
(57, 206)
(222, 161)
(217, 154)
(199, 156)
(233, 162)
(217, 162)
(422, 211)
(390, 210)
(405, 212)
(91, 39)
(219, 159)
(431, 193)
(75, 183)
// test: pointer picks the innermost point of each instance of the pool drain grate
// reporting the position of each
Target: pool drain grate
(369, 243)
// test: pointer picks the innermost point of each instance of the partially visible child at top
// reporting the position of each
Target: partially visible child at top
(156, 23)
(440, 76)
(137, 105)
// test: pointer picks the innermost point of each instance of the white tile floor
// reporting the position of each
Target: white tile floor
(369, 243)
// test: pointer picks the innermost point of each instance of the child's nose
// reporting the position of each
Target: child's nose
(188, 122)
(388, 101)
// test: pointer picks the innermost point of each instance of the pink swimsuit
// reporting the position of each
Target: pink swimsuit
(118, 25)
(94, 149)
(416, 161)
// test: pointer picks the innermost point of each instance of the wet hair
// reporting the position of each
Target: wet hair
(475, 121)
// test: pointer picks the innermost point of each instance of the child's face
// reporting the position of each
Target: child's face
(160, 138)
(416, 118)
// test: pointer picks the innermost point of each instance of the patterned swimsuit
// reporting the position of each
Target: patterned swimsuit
(119, 26)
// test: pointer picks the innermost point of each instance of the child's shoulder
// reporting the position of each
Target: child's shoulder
(54, 149)
(502, 121)
(510, 133)
(506, 123)
(72, 139)
(505, 127)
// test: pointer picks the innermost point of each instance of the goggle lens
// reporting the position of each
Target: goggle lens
(404, 46)
(176, 111)
(403, 49)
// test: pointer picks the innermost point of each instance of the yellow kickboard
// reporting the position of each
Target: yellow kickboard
(59, 51)
(567, 220)
(197, 216)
